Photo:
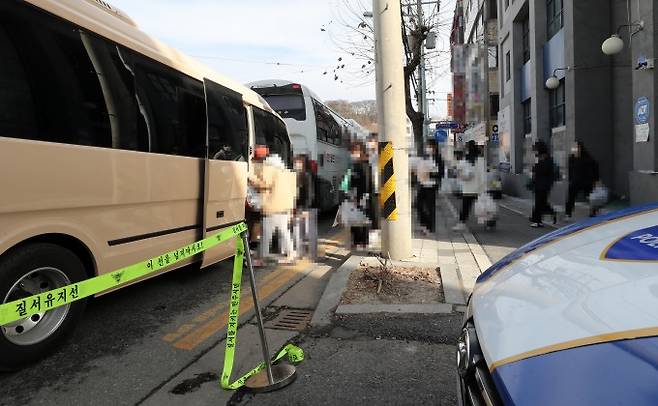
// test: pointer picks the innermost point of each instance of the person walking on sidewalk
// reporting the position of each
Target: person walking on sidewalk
(305, 221)
(543, 177)
(356, 210)
(583, 175)
(470, 173)
(427, 173)
(373, 160)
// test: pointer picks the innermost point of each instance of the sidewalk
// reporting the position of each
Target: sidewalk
(581, 211)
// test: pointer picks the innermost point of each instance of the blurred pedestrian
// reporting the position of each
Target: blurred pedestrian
(427, 174)
(305, 224)
(277, 185)
(470, 172)
(583, 175)
(372, 149)
(253, 209)
(360, 189)
(543, 177)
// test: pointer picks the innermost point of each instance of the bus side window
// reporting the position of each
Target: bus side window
(167, 100)
(228, 133)
(51, 91)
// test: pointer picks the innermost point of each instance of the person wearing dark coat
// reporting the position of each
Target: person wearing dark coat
(543, 176)
(427, 189)
(361, 184)
(583, 175)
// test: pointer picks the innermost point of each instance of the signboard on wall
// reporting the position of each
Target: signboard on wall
(641, 112)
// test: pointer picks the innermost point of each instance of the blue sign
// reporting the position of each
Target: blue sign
(640, 245)
(448, 125)
(642, 110)
(441, 136)
(504, 167)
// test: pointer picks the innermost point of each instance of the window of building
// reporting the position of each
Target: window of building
(526, 40)
(493, 9)
(555, 20)
(494, 105)
(527, 117)
(493, 57)
(557, 106)
(508, 66)
(506, 4)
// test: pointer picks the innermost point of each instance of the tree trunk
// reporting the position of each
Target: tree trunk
(417, 118)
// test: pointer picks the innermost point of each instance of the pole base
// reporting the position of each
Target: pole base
(284, 374)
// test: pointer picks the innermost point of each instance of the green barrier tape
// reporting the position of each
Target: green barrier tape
(52, 299)
(295, 354)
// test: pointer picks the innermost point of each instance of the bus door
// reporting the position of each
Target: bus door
(225, 177)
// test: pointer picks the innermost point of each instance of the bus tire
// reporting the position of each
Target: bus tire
(31, 269)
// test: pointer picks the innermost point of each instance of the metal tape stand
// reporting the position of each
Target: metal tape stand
(273, 377)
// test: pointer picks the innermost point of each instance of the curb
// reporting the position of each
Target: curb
(333, 292)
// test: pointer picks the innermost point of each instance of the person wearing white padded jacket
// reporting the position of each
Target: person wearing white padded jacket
(470, 172)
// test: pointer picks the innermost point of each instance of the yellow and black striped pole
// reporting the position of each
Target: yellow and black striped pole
(389, 210)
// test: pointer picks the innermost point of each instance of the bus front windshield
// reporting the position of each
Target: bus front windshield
(288, 106)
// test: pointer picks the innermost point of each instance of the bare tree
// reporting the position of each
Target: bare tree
(354, 36)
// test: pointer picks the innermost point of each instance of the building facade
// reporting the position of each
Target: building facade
(605, 102)
(475, 73)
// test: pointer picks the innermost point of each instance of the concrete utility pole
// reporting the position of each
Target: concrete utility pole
(423, 80)
(396, 235)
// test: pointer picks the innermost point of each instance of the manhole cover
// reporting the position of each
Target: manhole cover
(291, 319)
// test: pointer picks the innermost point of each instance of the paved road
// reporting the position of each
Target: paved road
(132, 341)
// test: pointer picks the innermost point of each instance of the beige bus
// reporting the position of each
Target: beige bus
(113, 148)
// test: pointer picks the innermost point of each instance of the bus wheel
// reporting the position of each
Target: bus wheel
(30, 270)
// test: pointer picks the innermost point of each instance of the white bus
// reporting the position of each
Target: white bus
(315, 130)
(114, 148)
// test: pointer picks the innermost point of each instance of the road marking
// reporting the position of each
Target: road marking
(211, 312)
(205, 324)
(210, 328)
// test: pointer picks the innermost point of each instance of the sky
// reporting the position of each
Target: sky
(297, 40)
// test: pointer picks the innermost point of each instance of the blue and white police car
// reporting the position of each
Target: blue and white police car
(569, 319)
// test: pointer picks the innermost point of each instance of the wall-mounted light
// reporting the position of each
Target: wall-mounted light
(553, 82)
(614, 44)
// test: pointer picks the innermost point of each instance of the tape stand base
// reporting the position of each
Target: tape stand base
(273, 377)
(282, 375)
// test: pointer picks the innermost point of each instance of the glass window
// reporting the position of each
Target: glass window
(327, 127)
(272, 132)
(228, 134)
(557, 105)
(526, 40)
(288, 105)
(129, 129)
(555, 18)
(173, 107)
(494, 106)
(50, 90)
(527, 117)
(508, 66)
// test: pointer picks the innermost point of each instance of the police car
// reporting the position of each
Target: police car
(569, 319)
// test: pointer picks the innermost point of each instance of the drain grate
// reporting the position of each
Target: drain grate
(291, 319)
